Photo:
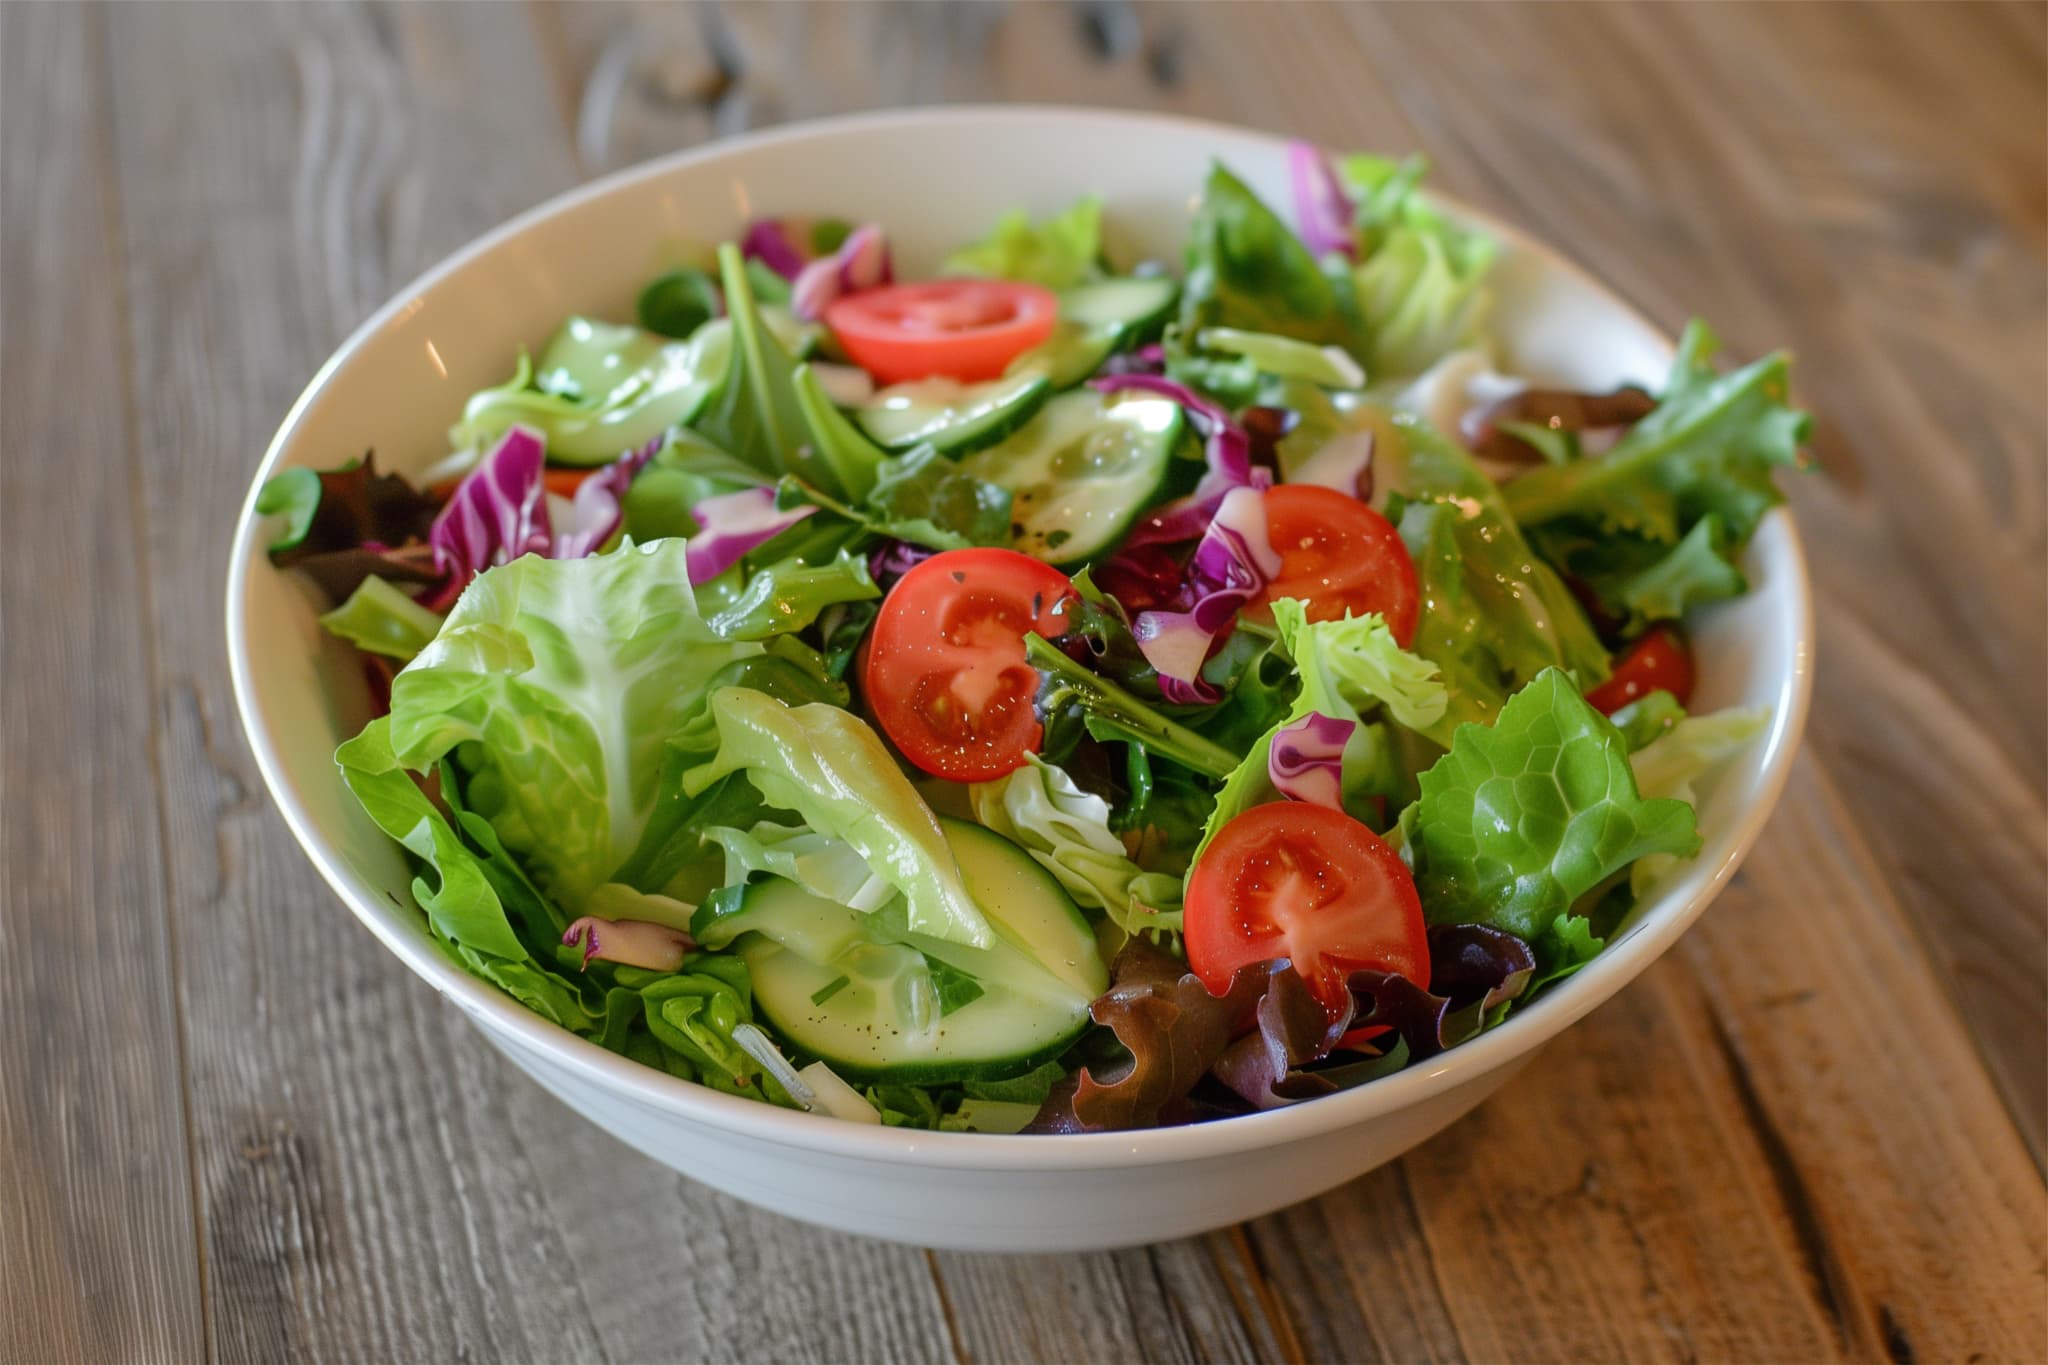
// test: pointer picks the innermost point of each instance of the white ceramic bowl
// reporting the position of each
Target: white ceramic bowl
(935, 178)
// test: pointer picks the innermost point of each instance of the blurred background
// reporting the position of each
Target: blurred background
(231, 1126)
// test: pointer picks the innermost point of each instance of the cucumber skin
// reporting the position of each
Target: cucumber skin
(966, 438)
(941, 1071)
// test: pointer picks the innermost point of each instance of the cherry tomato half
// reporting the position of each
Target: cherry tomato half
(1660, 660)
(945, 673)
(1310, 884)
(960, 329)
(1339, 556)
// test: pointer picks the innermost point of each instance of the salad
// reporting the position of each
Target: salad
(1059, 694)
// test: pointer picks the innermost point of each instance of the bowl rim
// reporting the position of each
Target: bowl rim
(508, 1023)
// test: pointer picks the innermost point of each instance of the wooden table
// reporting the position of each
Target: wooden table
(231, 1125)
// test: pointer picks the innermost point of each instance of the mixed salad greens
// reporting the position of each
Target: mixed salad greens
(1044, 698)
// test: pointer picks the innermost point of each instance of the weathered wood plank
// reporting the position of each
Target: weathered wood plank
(378, 1183)
(1926, 520)
(97, 1254)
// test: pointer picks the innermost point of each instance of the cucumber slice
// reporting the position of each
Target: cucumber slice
(864, 995)
(1081, 471)
(1073, 352)
(954, 417)
(1136, 306)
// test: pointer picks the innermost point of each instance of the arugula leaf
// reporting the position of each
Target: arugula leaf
(1518, 821)
(855, 460)
(1058, 252)
(1163, 814)
(1246, 270)
(684, 472)
(827, 766)
(1070, 697)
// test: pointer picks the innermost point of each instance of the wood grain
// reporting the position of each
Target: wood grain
(236, 1128)
(97, 1255)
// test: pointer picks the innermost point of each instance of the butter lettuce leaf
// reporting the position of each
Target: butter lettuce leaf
(1673, 764)
(599, 390)
(565, 681)
(827, 766)
(1067, 832)
(1421, 279)
(1519, 820)
(1057, 252)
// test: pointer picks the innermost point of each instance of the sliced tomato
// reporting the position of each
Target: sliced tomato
(1660, 661)
(945, 672)
(1339, 556)
(959, 329)
(1310, 884)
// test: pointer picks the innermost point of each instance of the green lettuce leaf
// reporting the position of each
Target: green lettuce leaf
(1498, 615)
(1066, 830)
(827, 766)
(1519, 820)
(829, 868)
(570, 677)
(1630, 523)
(462, 907)
(479, 906)
(1246, 270)
(599, 390)
(379, 618)
(1358, 661)
(1646, 719)
(1420, 279)
(1284, 357)
(1057, 252)
(784, 595)
(1672, 764)
(1348, 670)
